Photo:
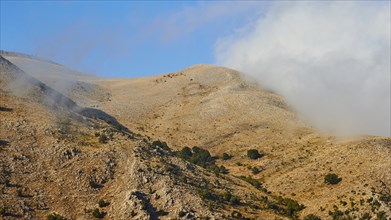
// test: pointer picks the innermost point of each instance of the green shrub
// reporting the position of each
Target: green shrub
(103, 139)
(201, 157)
(337, 214)
(234, 200)
(227, 197)
(174, 169)
(366, 216)
(252, 181)
(236, 214)
(381, 215)
(291, 206)
(161, 144)
(98, 214)
(93, 184)
(55, 216)
(2, 212)
(312, 217)
(144, 204)
(385, 198)
(102, 203)
(253, 154)
(332, 178)
(207, 194)
(181, 214)
(226, 156)
(185, 153)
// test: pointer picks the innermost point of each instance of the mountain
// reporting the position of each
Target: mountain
(69, 140)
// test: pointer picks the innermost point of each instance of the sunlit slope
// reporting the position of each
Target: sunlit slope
(217, 109)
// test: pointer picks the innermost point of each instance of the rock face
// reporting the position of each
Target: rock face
(60, 156)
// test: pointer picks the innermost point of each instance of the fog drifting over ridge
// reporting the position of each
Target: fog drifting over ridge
(330, 60)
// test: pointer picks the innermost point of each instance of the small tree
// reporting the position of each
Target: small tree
(253, 154)
(332, 178)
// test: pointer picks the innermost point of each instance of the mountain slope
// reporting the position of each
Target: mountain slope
(214, 108)
(74, 84)
(54, 158)
(206, 106)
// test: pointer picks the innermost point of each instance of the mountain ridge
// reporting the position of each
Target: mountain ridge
(206, 106)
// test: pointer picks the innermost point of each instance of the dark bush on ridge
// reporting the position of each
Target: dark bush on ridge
(332, 178)
(201, 157)
(253, 154)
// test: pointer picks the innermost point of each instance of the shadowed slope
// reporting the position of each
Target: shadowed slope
(18, 82)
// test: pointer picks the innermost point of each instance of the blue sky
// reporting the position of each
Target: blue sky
(121, 38)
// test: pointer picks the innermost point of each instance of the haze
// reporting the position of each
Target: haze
(330, 60)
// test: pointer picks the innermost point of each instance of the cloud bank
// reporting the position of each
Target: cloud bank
(330, 60)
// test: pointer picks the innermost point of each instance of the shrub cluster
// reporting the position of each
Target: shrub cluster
(201, 157)
(225, 197)
(291, 206)
(252, 181)
(161, 144)
(286, 206)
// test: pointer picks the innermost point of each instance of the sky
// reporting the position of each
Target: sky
(122, 38)
(330, 60)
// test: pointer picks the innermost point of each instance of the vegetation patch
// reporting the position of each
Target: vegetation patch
(253, 154)
(256, 183)
(103, 139)
(162, 146)
(226, 156)
(102, 203)
(55, 216)
(225, 197)
(98, 214)
(291, 207)
(201, 157)
(312, 217)
(332, 179)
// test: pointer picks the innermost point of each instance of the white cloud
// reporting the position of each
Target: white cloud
(331, 60)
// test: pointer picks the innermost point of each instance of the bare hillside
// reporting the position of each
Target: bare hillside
(215, 108)
(66, 157)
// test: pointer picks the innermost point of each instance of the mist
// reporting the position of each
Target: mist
(330, 60)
